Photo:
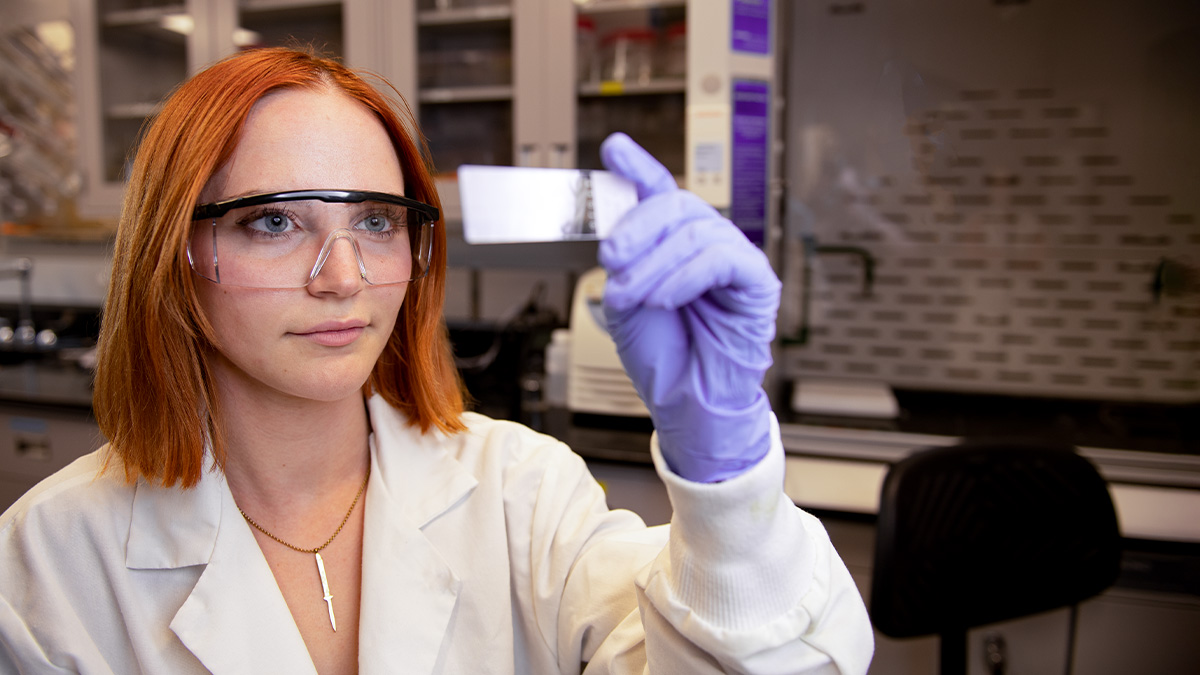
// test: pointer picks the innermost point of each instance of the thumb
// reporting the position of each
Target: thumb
(629, 160)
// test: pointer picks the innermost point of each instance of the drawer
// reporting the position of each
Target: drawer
(35, 443)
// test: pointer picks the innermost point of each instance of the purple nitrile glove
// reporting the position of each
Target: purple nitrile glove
(691, 306)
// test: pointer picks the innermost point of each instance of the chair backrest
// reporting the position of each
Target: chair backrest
(977, 533)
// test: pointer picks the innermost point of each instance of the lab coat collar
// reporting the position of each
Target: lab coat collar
(421, 478)
(236, 620)
(408, 591)
(171, 527)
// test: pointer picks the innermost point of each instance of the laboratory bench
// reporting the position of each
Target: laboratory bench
(835, 468)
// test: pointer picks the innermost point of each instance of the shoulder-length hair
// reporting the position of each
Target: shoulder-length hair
(154, 391)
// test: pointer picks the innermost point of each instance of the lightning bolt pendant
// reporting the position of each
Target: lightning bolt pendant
(325, 588)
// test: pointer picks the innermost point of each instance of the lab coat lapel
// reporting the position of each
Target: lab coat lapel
(409, 593)
(235, 620)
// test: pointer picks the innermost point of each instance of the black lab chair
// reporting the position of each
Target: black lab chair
(977, 533)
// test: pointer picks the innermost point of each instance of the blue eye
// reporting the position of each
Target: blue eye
(382, 219)
(271, 223)
(376, 223)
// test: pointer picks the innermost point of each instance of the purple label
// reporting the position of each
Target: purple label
(751, 130)
(752, 26)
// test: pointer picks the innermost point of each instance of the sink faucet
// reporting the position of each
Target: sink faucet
(813, 249)
(21, 268)
(868, 261)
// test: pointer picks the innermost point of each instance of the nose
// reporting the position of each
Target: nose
(339, 267)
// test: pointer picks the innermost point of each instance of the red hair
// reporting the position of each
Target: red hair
(154, 395)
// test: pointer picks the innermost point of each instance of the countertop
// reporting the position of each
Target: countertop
(1121, 425)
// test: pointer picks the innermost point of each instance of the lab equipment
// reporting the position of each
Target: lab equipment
(628, 55)
(596, 380)
(843, 397)
(25, 336)
(557, 364)
(672, 62)
(587, 57)
(691, 306)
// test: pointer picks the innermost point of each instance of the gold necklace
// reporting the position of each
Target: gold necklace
(328, 597)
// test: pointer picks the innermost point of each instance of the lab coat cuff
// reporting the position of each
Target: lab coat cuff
(740, 554)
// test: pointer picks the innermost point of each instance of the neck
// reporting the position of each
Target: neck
(296, 457)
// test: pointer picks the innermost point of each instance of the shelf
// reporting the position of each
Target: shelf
(167, 25)
(616, 88)
(272, 5)
(606, 6)
(143, 17)
(466, 94)
(132, 111)
(273, 12)
(465, 15)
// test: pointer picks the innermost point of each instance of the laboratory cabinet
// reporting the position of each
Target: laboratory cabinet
(37, 440)
(520, 82)
(132, 53)
(533, 83)
(536, 83)
(129, 54)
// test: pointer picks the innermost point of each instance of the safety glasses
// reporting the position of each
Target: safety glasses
(282, 239)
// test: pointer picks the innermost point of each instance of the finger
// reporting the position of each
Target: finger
(736, 266)
(648, 223)
(621, 155)
(735, 350)
(633, 284)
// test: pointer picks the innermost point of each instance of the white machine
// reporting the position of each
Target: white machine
(844, 398)
(597, 382)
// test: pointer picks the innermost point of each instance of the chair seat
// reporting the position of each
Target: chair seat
(977, 533)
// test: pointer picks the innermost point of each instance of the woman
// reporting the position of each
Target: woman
(291, 484)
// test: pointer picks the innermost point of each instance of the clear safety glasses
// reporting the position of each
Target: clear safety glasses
(282, 239)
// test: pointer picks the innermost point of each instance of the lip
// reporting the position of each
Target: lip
(333, 333)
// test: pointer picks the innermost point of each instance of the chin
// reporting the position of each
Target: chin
(331, 389)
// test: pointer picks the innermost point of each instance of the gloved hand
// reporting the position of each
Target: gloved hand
(691, 305)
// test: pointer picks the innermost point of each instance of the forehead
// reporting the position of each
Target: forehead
(305, 139)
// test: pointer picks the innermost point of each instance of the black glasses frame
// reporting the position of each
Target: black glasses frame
(218, 209)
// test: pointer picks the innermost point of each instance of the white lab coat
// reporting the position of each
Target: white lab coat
(489, 551)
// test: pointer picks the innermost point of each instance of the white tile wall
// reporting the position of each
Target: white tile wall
(1017, 174)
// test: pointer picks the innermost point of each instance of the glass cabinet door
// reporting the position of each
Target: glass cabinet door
(147, 47)
(143, 52)
(318, 26)
(37, 120)
(132, 53)
(465, 81)
(631, 62)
